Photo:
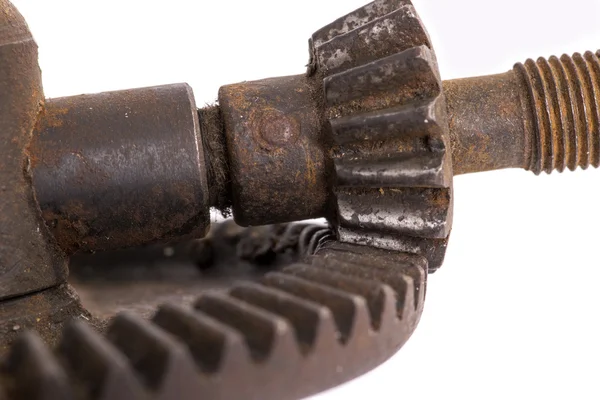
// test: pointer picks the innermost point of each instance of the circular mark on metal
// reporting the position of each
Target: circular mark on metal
(276, 129)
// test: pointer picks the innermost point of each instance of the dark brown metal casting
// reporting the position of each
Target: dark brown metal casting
(368, 138)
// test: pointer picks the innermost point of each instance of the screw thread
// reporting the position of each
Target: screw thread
(562, 115)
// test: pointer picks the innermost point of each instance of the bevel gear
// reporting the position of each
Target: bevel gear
(387, 116)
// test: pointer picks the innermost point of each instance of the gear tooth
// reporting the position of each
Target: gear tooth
(349, 310)
(408, 211)
(401, 284)
(309, 238)
(356, 19)
(328, 307)
(396, 80)
(379, 297)
(98, 366)
(163, 363)
(34, 372)
(401, 147)
(393, 178)
(375, 258)
(433, 249)
(267, 335)
(392, 33)
(317, 239)
(382, 261)
(308, 318)
(409, 303)
(421, 170)
(214, 345)
(422, 119)
(388, 118)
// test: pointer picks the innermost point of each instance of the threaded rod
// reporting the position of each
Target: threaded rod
(543, 115)
(561, 111)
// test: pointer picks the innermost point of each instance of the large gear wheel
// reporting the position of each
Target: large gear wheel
(387, 117)
(295, 332)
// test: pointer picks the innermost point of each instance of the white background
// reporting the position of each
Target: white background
(513, 313)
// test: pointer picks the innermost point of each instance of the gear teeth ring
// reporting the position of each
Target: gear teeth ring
(387, 119)
(310, 326)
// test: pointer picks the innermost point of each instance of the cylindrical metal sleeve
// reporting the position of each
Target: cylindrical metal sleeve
(486, 123)
(120, 169)
(277, 152)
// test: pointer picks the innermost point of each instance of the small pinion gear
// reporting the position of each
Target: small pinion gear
(386, 116)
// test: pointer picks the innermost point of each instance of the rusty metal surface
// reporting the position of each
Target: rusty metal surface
(364, 139)
(287, 335)
(486, 123)
(45, 312)
(561, 112)
(29, 261)
(369, 33)
(386, 114)
(120, 169)
(542, 116)
(277, 151)
(290, 333)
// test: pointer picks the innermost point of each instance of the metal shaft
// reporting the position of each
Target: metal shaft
(128, 168)
(542, 116)
(121, 169)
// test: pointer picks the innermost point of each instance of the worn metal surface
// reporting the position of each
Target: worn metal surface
(363, 139)
(542, 116)
(29, 261)
(367, 34)
(561, 111)
(386, 115)
(121, 169)
(141, 279)
(45, 312)
(287, 335)
(486, 123)
(277, 151)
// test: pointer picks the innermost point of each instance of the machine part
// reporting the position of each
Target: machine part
(29, 260)
(275, 124)
(387, 118)
(215, 150)
(292, 334)
(103, 171)
(45, 312)
(140, 279)
(387, 123)
(542, 116)
(361, 139)
(104, 174)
